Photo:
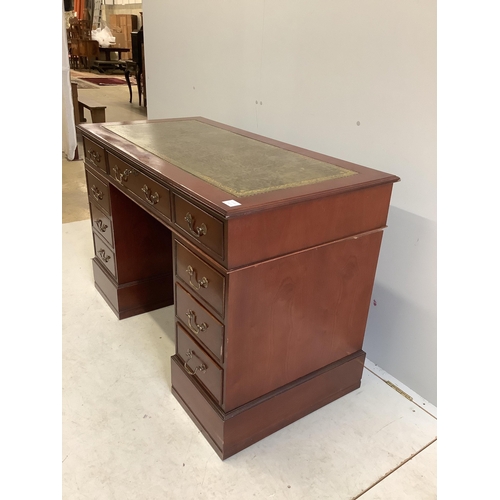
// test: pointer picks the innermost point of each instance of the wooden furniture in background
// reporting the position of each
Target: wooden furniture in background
(107, 51)
(97, 110)
(82, 50)
(122, 26)
(136, 65)
(267, 251)
(140, 67)
(131, 67)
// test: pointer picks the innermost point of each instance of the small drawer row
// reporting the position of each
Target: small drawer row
(199, 309)
(102, 225)
(191, 220)
(199, 322)
(147, 190)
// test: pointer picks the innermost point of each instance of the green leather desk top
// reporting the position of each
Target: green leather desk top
(239, 165)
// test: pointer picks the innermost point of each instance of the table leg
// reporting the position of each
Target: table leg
(139, 88)
(127, 77)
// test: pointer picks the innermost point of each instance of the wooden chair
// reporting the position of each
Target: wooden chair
(82, 49)
(88, 52)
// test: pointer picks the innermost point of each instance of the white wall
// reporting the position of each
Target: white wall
(307, 72)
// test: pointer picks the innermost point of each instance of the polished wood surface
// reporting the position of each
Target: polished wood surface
(271, 295)
(212, 197)
(295, 314)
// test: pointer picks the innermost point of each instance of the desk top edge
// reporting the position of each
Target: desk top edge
(215, 197)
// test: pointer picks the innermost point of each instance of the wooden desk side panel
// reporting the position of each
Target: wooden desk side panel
(272, 233)
(290, 316)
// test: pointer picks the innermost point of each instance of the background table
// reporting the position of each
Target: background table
(107, 51)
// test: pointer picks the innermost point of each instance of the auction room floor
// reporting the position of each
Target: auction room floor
(126, 437)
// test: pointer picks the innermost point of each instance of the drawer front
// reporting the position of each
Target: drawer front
(200, 278)
(202, 228)
(94, 155)
(104, 254)
(98, 192)
(199, 322)
(197, 363)
(102, 224)
(157, 196)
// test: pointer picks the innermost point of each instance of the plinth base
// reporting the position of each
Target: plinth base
(231, 432)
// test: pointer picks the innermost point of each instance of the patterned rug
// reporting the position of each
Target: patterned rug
(84, 85)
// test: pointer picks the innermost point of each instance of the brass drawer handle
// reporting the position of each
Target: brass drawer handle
(196, 329)
(103, 255)
(96, 192)
(151, 199)
(195, 231)
(100, 224)
(93, 156)
(203, 283)
(202, 368)
(122, 177)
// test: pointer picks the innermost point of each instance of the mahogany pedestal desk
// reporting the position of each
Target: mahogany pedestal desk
(267, 251)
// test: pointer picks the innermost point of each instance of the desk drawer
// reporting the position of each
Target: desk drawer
(201, 227)
(157, 196)
(98, 192)
(94, 155)
(200, 278)
(102, 224)
(197, 363)
(197, 320)
(104, 254)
